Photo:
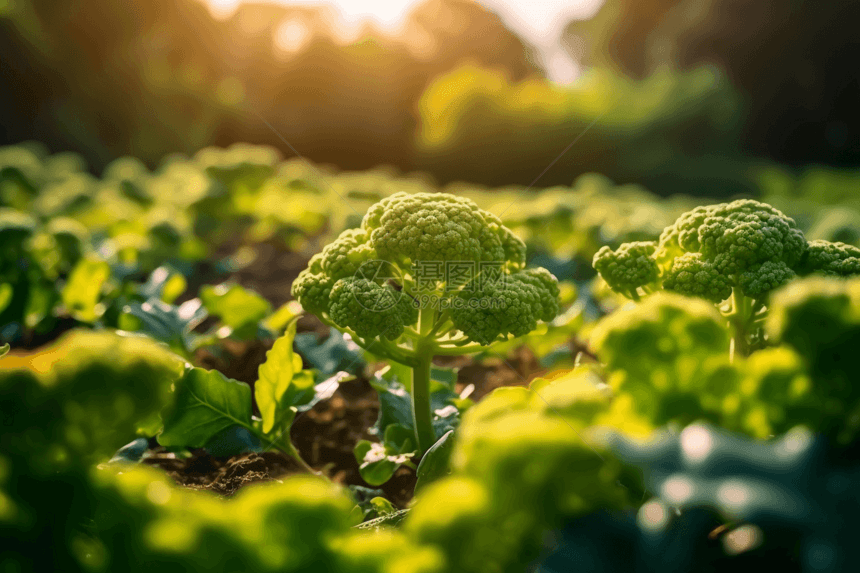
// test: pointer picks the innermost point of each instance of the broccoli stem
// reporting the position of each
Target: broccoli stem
(739, 317)
(422, 416)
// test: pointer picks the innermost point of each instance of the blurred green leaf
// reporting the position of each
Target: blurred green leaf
(236, 306)
(278, 320)
(163, 321)
(163, 283)
(5, 295)
(382, 506)
(82, 291)
(131, 452)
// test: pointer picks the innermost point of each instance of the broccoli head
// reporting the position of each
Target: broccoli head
(432, 248)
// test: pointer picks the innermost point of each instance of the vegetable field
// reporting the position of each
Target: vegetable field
(241, 362)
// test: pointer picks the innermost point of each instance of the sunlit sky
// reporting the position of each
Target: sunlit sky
(538, 22)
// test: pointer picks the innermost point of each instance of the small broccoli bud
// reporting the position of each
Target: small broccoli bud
(692, 275)
(628, 268)
(831, 259)
(371, 309)
(761, 279)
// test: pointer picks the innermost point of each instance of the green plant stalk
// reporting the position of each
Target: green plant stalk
(422, 416)
(741, 317)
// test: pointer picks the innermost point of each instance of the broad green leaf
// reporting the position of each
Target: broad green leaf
(81, 293)
(436, 462)
(205, 402)
(235, 305)
(233, 441)
(275, 379)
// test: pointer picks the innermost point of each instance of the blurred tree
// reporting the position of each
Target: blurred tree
(795, 61)
(147, 78)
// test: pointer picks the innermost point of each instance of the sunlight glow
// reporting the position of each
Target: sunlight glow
(540, 23)
(291, 36)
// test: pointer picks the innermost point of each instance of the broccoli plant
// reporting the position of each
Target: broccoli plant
(732, 254)
(426, 274)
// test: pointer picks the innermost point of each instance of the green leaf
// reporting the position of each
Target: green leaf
(6, 291)
(336, 353)
(205, 402)
(81, 293)
(4, 350)
(382, 506)
(163, 321)
(325, 389)
(436, 462)
(275, 388)
(236, 306)
(131, 453)
(446, 376)
(279, 320)
(233, 441)
(163, 283)
(40, 302)
(378, 462)
(398, 439)
(374, 466)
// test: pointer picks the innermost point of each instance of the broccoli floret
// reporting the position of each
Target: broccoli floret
(692, 275)
(369, 282)
(433, 227)
(484, 312)
(346, 254)
(370, 309)
(764, 278)
(629, 267)
(312, 287)
(833, 259)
